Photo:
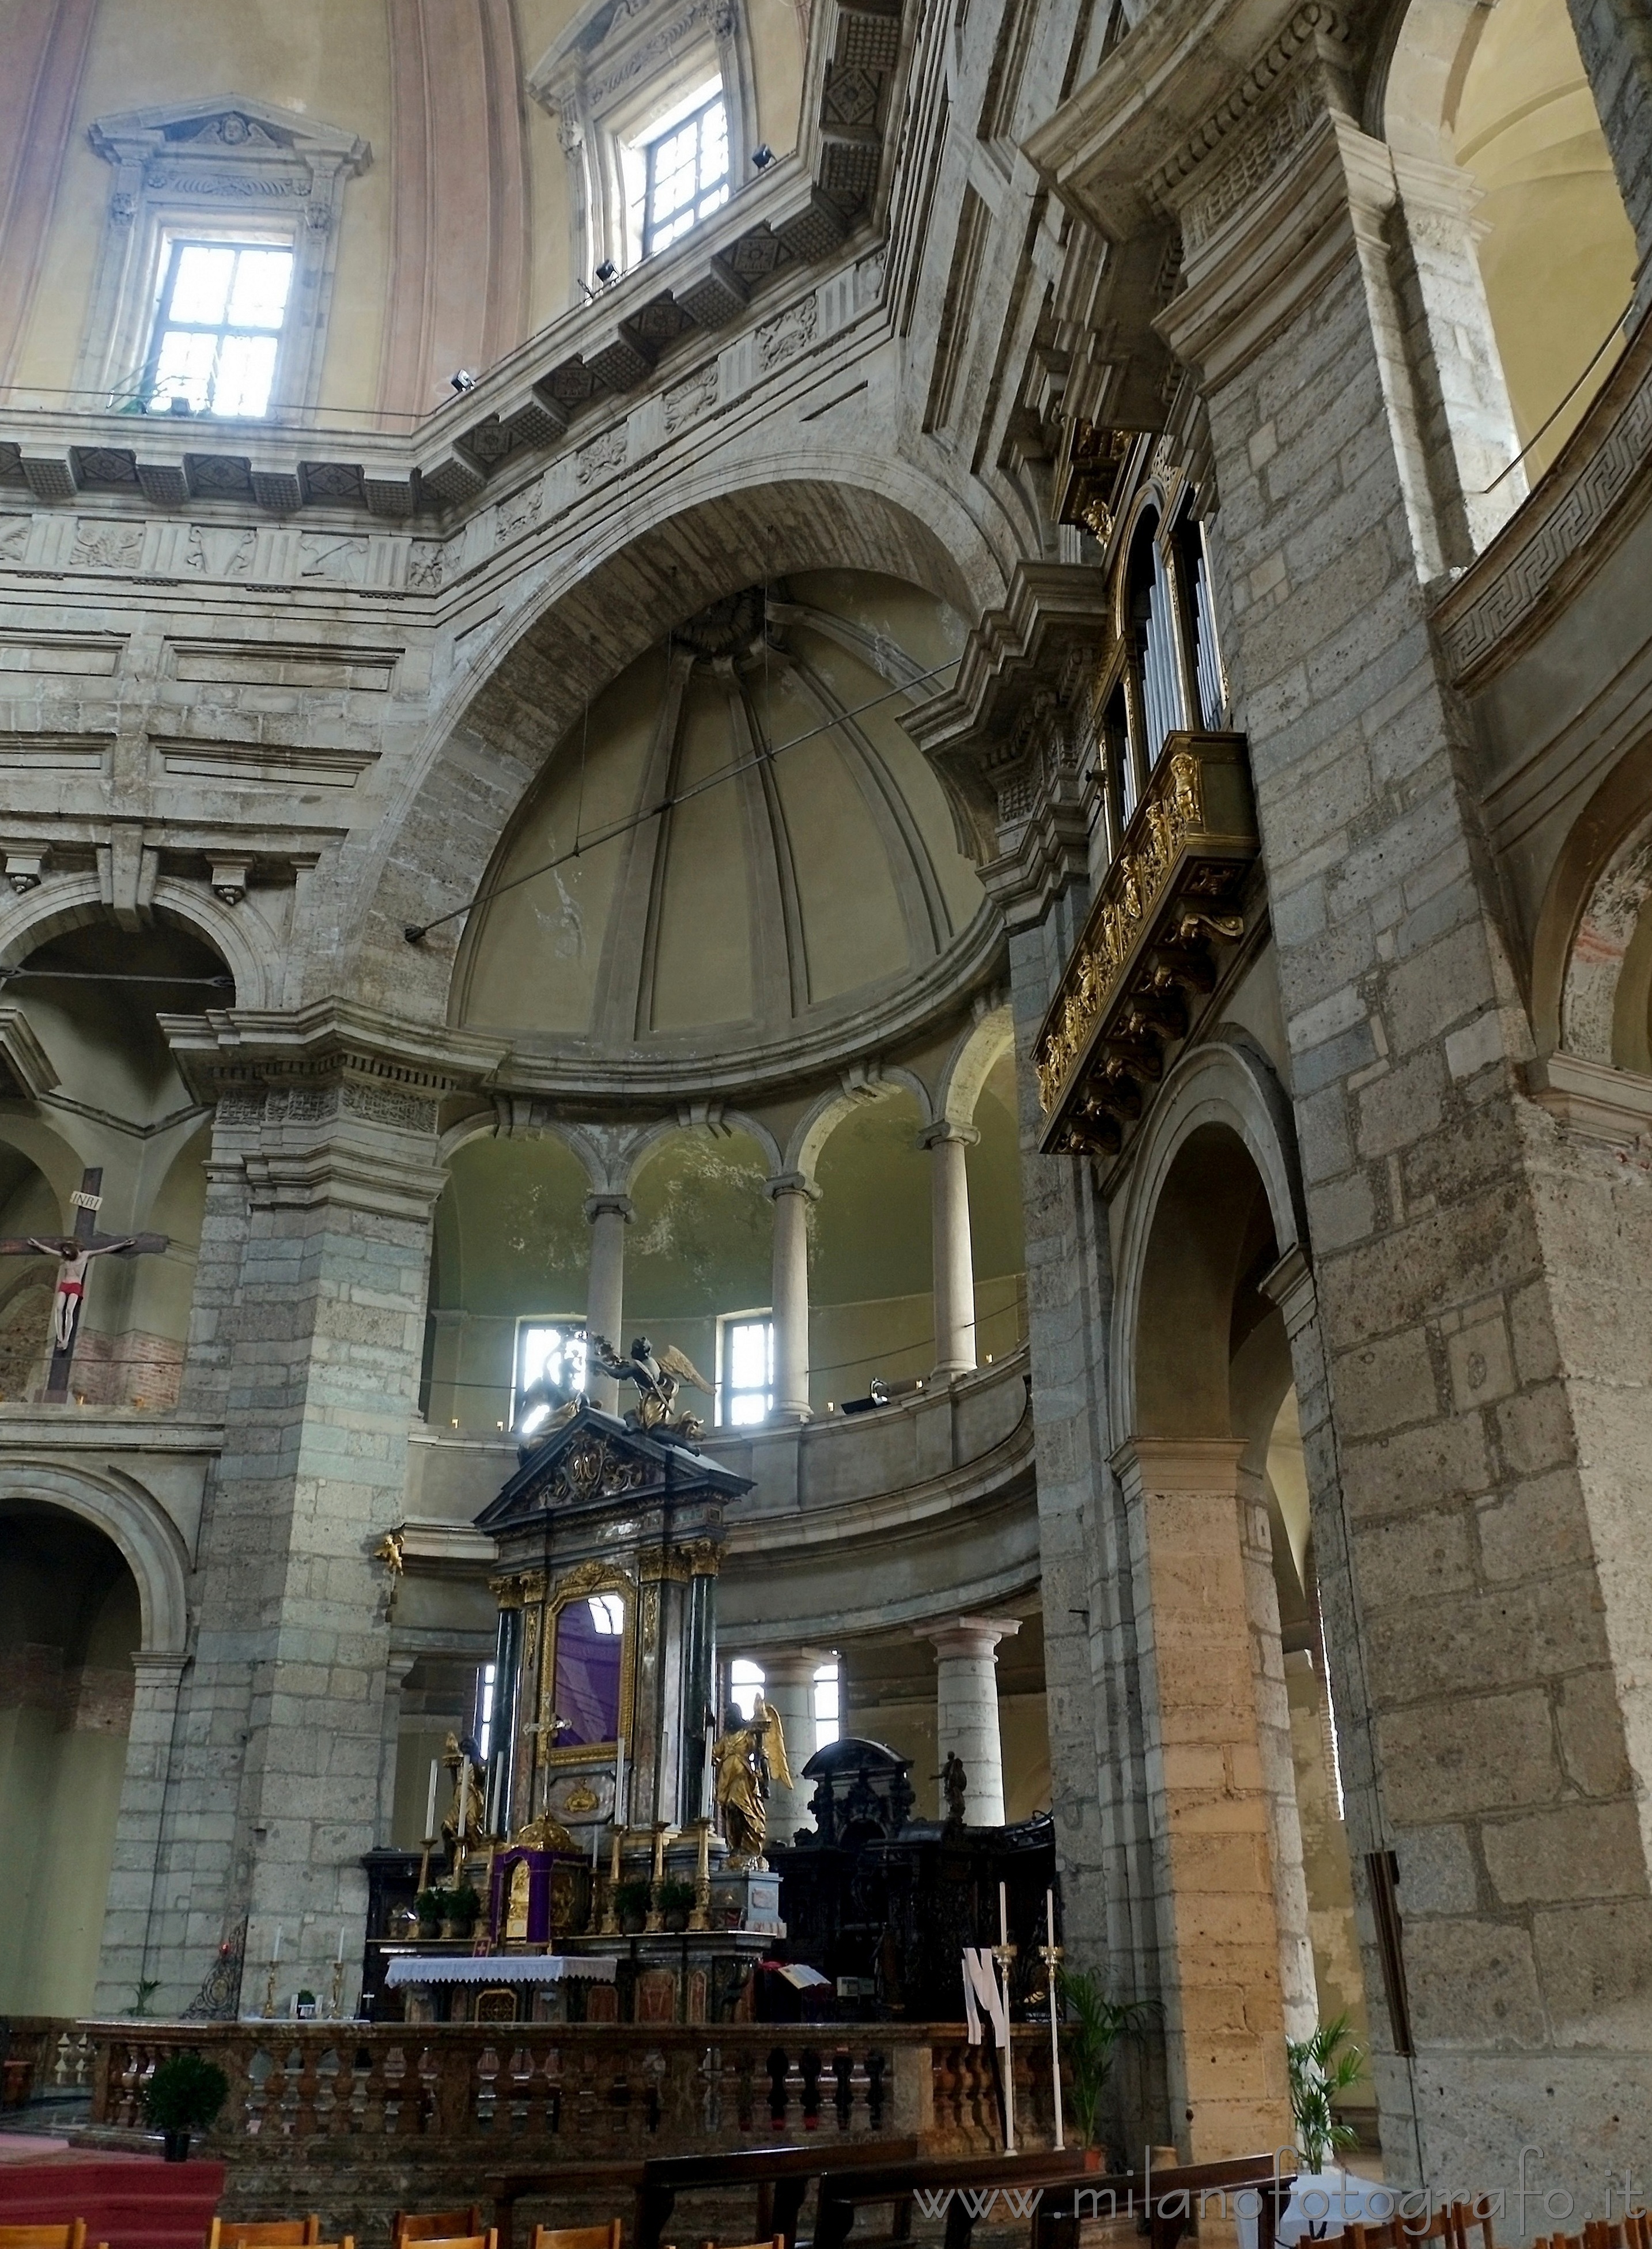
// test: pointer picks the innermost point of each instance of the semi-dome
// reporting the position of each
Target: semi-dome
(804, 872)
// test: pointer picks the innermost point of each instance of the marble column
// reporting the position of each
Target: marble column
(608, 1216)
(788, 1683)
(954, 1264)
(791, 1194)
(967, 1708)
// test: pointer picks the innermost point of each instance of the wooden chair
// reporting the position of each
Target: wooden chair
(1462, 2217)
(779, 2242)
(72, 2236)
(488, 2241)
(578, 2237)
(435, 2225)
(267, 2233)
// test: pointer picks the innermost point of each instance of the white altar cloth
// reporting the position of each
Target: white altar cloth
(501, 1968)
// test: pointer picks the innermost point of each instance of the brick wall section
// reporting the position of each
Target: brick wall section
(1476, 1629)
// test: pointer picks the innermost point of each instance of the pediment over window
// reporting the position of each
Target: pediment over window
(228, 125)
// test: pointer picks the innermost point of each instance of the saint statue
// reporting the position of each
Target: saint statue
(746, 1758)
(954, 1785)
(463, 1819)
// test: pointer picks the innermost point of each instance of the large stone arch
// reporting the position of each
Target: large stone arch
(1591, 973)
(1226, 1082)
(573, 619)
(821, 1119)
(119, 1507)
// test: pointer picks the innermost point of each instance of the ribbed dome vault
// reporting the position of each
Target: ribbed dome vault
(805, 870)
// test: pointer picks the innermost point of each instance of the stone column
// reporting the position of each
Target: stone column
(1218, 1928)
(273, 1795)
(396, 1668)
(134, 1872)
(954, 1264)
(788, 1683)
(967, 1710)
(1484, 1322)
(608, 1216)
(791, 1193)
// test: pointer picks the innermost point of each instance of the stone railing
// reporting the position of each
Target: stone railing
(579, 2092)
(1146, 964)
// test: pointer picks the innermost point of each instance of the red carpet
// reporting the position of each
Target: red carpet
(131, 2202)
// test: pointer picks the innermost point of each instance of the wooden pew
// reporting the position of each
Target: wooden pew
(781, 2176)
(1059, 2183)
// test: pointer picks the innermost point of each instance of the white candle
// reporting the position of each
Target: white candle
(429, 1808)
(464, 1796)
(337, 1957)
(275, 1949)
(1003, 1917)
(619, 1782)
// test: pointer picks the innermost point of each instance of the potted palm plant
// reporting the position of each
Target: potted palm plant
(676, 1903)
(461, 1911)
(1089, 2039)
(630, 1903)
(1320, 2067)
(184, 2096)
(429, 1905)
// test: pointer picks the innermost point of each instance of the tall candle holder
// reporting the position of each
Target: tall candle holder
(701, 1919)
(269, 1994)
(656, 1920)
(336, 2006)
(610, 1906)
(1050, 1953)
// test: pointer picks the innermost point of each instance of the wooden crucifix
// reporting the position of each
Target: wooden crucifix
(75, 1251)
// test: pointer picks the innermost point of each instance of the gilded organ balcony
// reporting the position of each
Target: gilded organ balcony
(1168, 930)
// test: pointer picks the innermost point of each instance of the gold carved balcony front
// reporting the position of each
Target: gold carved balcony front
(1153, 948)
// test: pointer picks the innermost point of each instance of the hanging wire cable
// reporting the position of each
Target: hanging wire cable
(1616, 328)
(415, 932)
(114, 976)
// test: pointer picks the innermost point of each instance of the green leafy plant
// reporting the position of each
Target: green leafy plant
(185, 2094)
(431, 1906)
(146, 1988)
(676, 1897)
(307, 1998)
(1320, 2067)
(463, 1906)
(630, 1900)
(1090, 2037)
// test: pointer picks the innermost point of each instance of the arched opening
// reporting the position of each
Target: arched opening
(90, 996)
(871, 1267)
(1502, 91)
(1215, 1412)
(697, 1267)
(70, 1623)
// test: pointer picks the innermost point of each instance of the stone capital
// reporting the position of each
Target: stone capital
(974, 1637)
(1143, 1464)
(943, 1130)
(1289, 1285)
(602, 1206)
(791, 1183)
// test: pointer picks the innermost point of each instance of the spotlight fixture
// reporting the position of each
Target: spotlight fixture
(762, 155)
(462, 379)
(607, 271)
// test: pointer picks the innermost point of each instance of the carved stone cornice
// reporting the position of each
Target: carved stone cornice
(332, 1041)
(1142, 964)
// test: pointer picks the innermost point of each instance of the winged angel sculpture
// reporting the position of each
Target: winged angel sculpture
(658, 1376)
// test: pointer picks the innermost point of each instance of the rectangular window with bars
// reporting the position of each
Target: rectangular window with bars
(744, 1369)
(218, 326)
(686, 177)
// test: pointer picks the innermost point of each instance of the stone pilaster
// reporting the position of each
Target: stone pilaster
(1614, 38)
(1211, 1817)
(1475, 1550)
(967, 1710)
(133, 1871)
(276, 1773)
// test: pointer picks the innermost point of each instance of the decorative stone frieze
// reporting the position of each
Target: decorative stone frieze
(1143, 964)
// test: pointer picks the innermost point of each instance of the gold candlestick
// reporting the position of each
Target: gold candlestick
(699, 1920)
(269, 1994)
(338, 1988)
(656, 1920)
(610, 1906)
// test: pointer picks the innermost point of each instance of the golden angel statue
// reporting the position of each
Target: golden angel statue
(658, 1376)
(463, 1819)
(746, 1758)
